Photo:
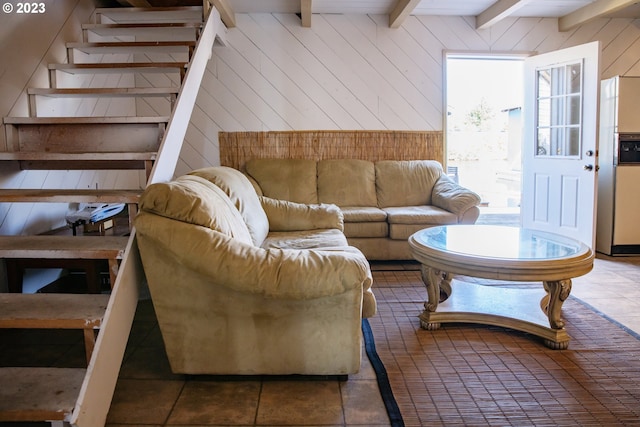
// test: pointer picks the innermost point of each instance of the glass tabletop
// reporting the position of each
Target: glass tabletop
(495, 241)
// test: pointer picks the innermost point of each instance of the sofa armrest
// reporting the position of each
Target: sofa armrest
(224, 261)
(284, 215)
(450, 196)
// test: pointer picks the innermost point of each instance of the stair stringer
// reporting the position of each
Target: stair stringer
(102, 373)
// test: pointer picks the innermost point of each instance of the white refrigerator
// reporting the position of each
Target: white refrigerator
(618, 216)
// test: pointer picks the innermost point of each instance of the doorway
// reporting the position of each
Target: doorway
(484, 98)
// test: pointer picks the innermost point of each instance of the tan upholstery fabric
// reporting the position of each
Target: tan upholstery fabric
(242, 194)
(452, 197)
(286, 179)
(406, 183)
(403, 231)
(382, 248)
(363, 214)
(366, 229)
(311, 239)
(347, 182)
(420, 215)
(291, 216)
(380, 202)
(194, 200)
(226, 306)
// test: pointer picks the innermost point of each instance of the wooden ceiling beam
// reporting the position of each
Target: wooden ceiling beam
(497, 12)
(592, 11)
(401, 11)
(227, 15)
(305, 13)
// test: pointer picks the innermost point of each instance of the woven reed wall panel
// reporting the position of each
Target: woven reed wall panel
(238, 147)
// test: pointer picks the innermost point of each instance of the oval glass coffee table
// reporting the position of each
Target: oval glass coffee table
(506, 254)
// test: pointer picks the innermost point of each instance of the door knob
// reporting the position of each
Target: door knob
(589, 153)
(588, 167)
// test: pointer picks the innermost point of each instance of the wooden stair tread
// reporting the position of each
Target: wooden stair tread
(160, 30)
(155, 67)
(78, 157)
(128, 47)
(39, 394)
(84, 120)
(52, 311)
(69, 195)
(120, 91)
(63, 247)
(141, 14)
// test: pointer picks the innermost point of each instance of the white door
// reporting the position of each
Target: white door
(560, 142)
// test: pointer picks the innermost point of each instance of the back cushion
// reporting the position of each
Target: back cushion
(286, 179)
(242, 194)
(347, 182)
(407, 182)
(194, 200)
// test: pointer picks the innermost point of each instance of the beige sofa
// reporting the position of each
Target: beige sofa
(383, 202)
(249, 285)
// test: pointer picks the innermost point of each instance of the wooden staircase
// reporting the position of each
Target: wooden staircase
(172, 43)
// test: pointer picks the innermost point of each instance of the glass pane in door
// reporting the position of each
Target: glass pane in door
(559, 110)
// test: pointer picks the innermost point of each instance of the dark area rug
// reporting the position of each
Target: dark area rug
(476, 375)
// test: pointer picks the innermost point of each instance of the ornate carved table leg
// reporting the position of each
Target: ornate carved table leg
(438, 284)
(557, 292)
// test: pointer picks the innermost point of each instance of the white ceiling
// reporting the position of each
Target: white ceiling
(525, 8)
(570, 13)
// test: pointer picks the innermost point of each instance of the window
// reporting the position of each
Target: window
(559, 115)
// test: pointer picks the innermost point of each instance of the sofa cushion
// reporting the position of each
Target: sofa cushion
(363, 214)
(243, 195)
(286, 179)
(402, 232)
(290, 216)
(430, 215)
(347, 182)
(307, 239)
(366, 229)
(406, 183)
(194, 200)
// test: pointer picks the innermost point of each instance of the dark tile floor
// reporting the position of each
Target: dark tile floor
(148, 394)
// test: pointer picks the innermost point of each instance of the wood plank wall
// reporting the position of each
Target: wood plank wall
(351, 72)
(236, 148)
(346, 72)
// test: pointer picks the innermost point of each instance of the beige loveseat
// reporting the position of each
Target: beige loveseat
(249, 285)
(383, 202)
